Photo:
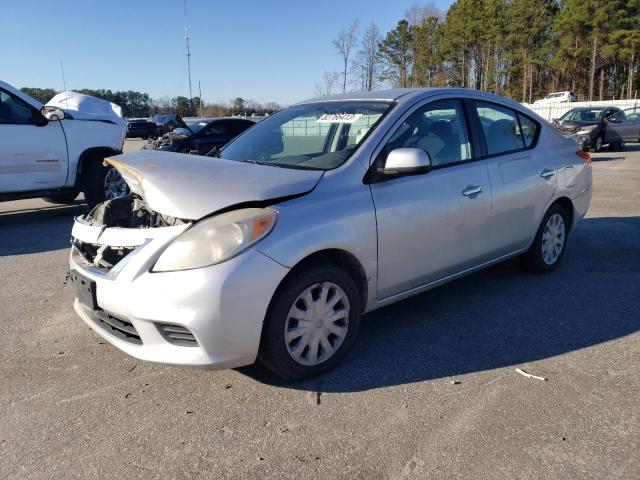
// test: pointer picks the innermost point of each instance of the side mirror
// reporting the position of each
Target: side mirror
(52, 113)
(406, 161)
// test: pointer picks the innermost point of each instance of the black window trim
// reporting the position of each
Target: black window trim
(517, 113)
(471, 135)
(34, 111)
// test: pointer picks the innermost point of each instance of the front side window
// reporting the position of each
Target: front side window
(13, 110)
(439, 128)
(501, 129)
(216, 128)
(318, 136)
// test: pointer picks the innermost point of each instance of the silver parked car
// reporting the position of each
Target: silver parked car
(323, 211)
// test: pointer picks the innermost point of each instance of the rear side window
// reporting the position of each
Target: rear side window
(529, 130)
(501, 128)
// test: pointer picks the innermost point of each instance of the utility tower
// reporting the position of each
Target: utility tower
(186, 44)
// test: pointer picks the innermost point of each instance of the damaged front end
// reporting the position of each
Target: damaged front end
(116, 228)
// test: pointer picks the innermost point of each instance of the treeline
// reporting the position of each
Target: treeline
(519, 48)
(138, 104)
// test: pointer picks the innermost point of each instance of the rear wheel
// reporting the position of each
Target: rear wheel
(548, 247)
(311, 324)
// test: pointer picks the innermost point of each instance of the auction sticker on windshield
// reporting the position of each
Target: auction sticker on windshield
(339, 117)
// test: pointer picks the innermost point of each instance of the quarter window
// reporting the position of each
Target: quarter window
(529, 130)
(439, 128)
(501, 129)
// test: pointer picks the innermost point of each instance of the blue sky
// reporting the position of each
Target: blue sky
(264, 50)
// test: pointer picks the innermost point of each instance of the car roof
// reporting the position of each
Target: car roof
(218, 119)
(410, 95)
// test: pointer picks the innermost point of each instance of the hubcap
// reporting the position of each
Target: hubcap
(553, 239)
(317, 323)
(114, 184)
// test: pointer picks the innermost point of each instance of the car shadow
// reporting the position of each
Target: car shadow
(37, 230)
(499, 317)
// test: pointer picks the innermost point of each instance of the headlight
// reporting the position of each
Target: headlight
(216, 239)
(588, 129)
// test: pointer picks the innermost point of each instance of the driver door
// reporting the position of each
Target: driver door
(32, 157)
(432, 225)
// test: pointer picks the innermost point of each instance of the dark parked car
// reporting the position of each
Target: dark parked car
(201, 136)
(623, 127)
(167, 122)
(588, 124)
(141, 128)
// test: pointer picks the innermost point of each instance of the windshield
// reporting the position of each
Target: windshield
(583, 115)
(195, 127)
(318, 136)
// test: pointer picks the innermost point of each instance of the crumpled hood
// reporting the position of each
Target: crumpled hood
(86, 107)
(191, 186)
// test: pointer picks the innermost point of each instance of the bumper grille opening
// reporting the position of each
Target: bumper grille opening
(177, 335)
(102, 257)
(118, 327)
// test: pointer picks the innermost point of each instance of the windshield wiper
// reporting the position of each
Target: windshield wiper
(260, 162)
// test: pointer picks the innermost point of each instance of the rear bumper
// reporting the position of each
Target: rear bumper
(223, 306)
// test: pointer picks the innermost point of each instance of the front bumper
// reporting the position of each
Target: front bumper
(223, 306)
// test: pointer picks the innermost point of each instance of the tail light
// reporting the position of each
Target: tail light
(584, 156)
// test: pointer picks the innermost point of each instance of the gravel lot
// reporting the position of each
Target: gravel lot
(429, 391)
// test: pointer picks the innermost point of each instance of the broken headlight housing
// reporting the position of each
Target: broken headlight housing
(216, 239)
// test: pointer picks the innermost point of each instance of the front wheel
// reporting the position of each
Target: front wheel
(311, 323)
(102, 182)
(549, 244)
(597, 146)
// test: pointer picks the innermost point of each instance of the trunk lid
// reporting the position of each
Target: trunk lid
(191, 187)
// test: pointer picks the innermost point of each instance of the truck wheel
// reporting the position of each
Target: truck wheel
(102, 183)
(65, 198)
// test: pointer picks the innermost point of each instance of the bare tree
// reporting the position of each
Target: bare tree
(419, 13)
(368, 63)
(343, 44)
(327, 87)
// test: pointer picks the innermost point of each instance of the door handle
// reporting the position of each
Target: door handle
(472, 190)
(547, 173)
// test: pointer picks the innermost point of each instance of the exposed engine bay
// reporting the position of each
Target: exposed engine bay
(129, 211)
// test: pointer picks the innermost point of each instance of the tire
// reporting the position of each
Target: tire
(597, 146)
(275, 350)
(538, 258)
(94, 183)
(65, 198)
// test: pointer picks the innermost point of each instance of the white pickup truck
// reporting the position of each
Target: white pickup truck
(55, 151)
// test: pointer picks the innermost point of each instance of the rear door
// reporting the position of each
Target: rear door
(523, 178)
(623, 126)
(32, 157)
(433, 225)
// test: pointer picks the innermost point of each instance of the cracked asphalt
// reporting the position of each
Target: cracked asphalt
(430, 390)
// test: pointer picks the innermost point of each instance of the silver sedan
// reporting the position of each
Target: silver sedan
(324, 211)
